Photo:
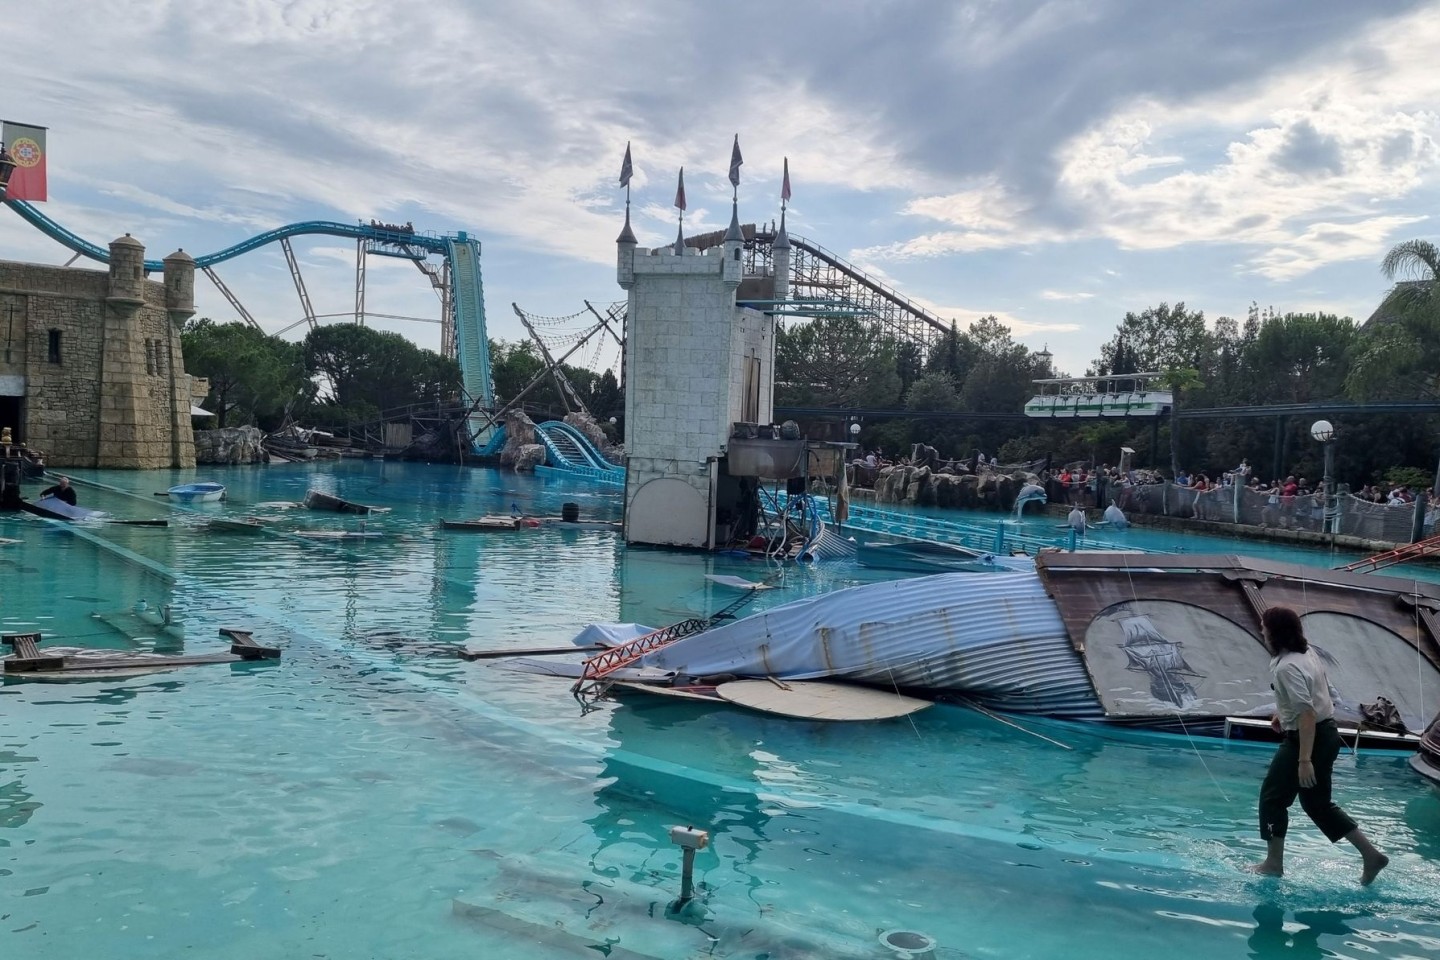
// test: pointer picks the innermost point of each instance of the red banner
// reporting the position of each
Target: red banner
(24, 159)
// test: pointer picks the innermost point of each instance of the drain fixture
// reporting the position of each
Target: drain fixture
(907, 943)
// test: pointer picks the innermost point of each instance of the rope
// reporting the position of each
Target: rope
(1125, 560)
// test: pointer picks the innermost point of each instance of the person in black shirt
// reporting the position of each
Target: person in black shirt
(60, 491)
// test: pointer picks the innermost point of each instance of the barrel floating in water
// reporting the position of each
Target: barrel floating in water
(570, 512)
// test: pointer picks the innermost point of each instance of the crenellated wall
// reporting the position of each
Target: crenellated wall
(96, 376)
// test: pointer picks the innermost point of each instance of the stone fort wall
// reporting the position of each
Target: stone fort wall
(96, 362)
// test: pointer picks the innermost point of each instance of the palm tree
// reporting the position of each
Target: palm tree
(1417, 265)
(1177, 380)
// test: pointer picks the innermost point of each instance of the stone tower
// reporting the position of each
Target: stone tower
(696, 364)
(142, 422)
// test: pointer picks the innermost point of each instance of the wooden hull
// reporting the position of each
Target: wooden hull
(316, 500)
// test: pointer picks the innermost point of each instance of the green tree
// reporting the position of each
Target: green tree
(254, 377)
(835, 362)
(1399, 350)
(364, 372)
(1177, 380)
(1302, 356)
(1158, 338)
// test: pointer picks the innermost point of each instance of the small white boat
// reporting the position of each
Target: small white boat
(204, 492)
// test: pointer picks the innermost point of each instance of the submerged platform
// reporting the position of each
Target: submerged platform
(29, 662)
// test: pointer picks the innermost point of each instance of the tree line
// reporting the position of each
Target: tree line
(346, 373)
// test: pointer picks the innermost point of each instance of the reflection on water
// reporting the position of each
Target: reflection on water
(281, 804)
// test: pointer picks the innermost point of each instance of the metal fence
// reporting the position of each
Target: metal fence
(1346, 515)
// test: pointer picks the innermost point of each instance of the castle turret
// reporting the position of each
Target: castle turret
(180, 287)
(625, 254)
(734, 244)
(127, 272)
(780, 258)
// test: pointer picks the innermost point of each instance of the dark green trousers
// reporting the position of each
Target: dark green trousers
(1282, 786)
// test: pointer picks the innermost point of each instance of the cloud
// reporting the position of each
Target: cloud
(1062, 295)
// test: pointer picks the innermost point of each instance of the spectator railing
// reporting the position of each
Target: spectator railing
(1346, 514)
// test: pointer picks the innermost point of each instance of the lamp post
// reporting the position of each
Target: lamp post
(1323, 432)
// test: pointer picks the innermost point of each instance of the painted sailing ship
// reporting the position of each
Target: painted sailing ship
(1149, 652)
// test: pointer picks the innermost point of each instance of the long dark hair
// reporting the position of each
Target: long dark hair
(1286, 634)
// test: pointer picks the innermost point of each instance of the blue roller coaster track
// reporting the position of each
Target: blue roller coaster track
(467, 300)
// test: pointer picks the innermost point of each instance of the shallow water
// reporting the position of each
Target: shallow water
(371, 796)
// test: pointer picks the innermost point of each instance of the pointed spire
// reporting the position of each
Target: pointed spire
(680, 240)
(733, 234)
(782, 239)
(627, 235)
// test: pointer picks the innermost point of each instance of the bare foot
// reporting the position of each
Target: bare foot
(1373, 866)
(1267, 869)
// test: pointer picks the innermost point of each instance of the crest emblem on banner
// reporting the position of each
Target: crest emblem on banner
(26, 152)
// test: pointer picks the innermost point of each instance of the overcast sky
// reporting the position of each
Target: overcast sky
(1053, 163)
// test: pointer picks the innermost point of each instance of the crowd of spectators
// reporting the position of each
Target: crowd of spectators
(1289, 502)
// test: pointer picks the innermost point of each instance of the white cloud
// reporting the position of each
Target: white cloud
(1062, 295)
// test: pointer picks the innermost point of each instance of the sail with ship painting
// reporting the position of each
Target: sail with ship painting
(1149, 652)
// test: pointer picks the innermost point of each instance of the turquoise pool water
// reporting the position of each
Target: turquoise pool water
(371, 796)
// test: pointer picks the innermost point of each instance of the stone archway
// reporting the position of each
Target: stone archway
(667, 512)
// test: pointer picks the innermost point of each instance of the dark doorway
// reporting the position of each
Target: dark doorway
(12, 414)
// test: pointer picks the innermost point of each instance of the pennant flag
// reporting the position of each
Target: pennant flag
(735, 161)
(785, 186)
(24, 147)
(680, 191)
(625, 170)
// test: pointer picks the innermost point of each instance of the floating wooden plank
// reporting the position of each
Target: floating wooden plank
(236, 525)
(481, 524)
(243, 645)
(819, 700)
(526, 652)
(338, 535)
(30, 662)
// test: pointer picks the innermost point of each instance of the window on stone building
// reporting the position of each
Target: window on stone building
(150, 357)
(55, 346)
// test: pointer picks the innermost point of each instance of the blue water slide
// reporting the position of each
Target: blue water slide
(472, 344)
(328, 228)
(570, 451)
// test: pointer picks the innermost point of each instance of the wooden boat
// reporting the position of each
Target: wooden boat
(1169, 643)
(56, 509)
(207, 491)
(484, 524)
(318, 500)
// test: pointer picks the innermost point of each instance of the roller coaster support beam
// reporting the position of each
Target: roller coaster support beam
(360, 281)
(234, 301)
(299, 282)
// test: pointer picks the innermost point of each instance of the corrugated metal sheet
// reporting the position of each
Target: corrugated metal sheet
(995, 637)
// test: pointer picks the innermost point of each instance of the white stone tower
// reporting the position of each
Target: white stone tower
(696, 364)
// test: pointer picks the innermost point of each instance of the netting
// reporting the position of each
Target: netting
(600, 352)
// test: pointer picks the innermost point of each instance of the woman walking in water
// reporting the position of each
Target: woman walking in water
(1305, 759)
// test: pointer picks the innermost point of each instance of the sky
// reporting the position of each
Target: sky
(1055, 163)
